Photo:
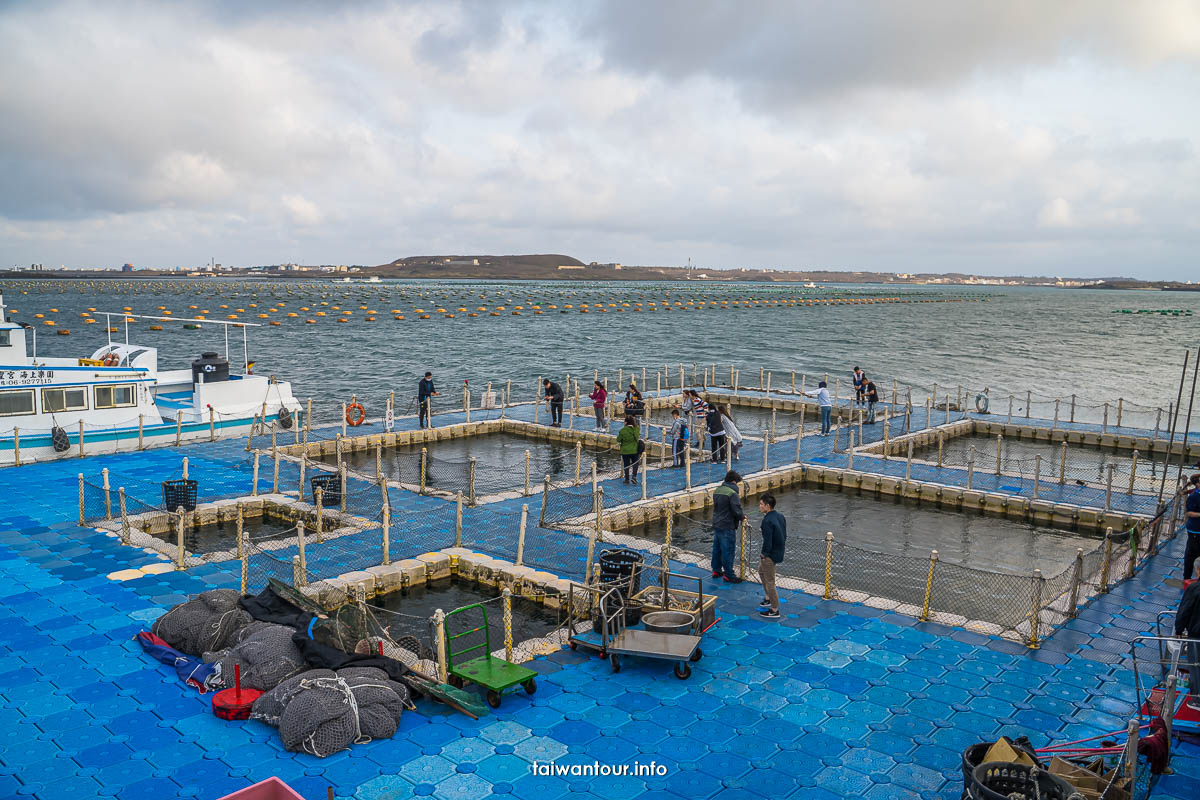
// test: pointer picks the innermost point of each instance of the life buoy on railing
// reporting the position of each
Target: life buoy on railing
(355, 415)
(111, 360)
(981, 403)
(285, 418)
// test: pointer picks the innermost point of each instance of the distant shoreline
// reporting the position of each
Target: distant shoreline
(588, 274)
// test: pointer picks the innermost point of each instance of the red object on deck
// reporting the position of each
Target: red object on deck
(270, 789)
(235, 703)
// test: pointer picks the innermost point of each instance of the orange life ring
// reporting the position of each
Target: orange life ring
(111, 360)
(355, 415)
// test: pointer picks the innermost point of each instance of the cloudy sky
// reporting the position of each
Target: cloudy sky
(991, 137)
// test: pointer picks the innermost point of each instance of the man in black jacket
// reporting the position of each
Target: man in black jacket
(727, 516)
(1187, 621)
(774, 533)
(554, 394)
(716, 434)
(425, 391)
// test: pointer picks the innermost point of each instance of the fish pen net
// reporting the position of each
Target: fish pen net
(1030, 604)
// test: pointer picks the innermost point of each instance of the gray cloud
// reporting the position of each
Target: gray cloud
(989, 137)
(780, 50)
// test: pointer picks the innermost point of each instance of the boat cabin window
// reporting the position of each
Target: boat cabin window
(73, 398)
(16, 401)
(4, 338)
(118, 396)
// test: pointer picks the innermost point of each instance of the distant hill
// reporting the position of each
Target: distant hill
(553, 266)
(538, 265)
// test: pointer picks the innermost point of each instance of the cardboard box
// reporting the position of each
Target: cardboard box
(1091, 782)
(1004, 752)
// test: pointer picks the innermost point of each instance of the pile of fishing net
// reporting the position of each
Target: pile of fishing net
(206, 623)
(264, 652)
(321, 712)
(408, 650)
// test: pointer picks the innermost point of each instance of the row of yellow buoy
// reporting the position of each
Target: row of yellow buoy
(582, 308)
(265, 310)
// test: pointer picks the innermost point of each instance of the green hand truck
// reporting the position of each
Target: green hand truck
(493, 674)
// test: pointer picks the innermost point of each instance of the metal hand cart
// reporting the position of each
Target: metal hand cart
(671, 639)
(493, 674)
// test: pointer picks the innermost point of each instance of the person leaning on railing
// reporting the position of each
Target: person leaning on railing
(1187, 627)
(1191, 521)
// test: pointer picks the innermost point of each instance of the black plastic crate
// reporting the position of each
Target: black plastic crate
(331, 489)
(179, 493)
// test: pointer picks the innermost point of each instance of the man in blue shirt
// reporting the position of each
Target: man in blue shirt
(825, 403)
(425, 391)
(1191, 521)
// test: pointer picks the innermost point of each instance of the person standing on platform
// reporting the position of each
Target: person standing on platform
(732, 435)
(1187, 627)
(634, 404)
(727, 516)
(679, 437)
(825, 402)
(774, 533)
(629, 440)
(1191, 521)
(425, 390)
(554, 393)
(599, 397)
(859, 379)
(716, 433)
(871, 395)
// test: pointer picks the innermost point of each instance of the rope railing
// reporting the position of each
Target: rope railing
(1030, 603)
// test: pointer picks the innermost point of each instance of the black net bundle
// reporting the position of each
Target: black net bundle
(321, 712)
(206, 623)
(265, 654)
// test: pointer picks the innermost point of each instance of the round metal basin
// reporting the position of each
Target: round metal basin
(669, 621)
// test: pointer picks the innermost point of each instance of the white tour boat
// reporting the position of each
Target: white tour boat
(118, 399)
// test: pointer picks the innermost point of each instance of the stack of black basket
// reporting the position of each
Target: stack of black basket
(621, 569)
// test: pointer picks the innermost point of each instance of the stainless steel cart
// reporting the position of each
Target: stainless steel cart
(615, 638)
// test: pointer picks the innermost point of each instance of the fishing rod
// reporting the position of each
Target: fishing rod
(1188, 424)
(1174, 421)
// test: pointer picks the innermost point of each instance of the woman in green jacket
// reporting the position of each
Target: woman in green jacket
(629, 440)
